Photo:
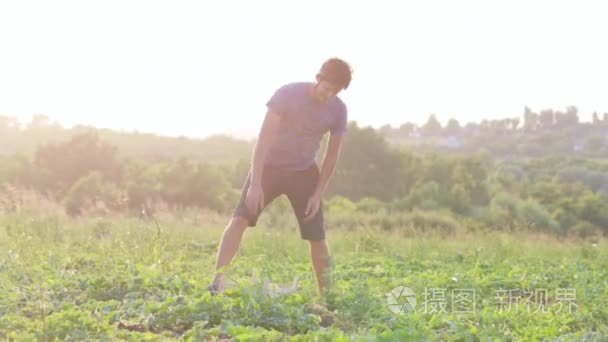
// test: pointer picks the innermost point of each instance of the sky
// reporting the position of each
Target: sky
(197, 68)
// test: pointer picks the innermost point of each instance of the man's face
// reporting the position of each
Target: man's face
(325, 90)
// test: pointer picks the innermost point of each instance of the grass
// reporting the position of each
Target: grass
(134, 279)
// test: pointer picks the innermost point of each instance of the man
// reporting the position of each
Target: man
(298, 116)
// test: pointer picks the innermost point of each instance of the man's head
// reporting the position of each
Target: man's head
(335, 75)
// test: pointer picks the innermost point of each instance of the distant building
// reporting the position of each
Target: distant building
(415, 135)
(471, 129)
(453, 143)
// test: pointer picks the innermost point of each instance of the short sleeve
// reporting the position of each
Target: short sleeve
(339, 127)
(280, 100)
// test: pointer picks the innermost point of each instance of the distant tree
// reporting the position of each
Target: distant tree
(453, 127)
(239, 172)
(514, 123)
(186, 183)
(385, 130)
(38, 121)
(531, 120)
(432, 126)
(560, 118)
(594, 144)
(567, 118)
(593, 208)
(502, 211)
(471, 127)
(426, 196)
(504, 125)
(596, 118)
(406, 128)
(485, 125)
(58, 166)
(546, 118)
(438, 168)
(572, 115)
(143, 185)
(15, 170)
(10, 131)
(8, 123)
(370, 167)
(460, 200)
(91, 191)
(471, 173)
(534, 216)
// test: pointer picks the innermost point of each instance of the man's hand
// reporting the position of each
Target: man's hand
(327, 170)
(255, 198)
(312, 207)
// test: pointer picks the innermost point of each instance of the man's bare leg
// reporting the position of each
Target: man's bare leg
(231, 240)
(319, 252)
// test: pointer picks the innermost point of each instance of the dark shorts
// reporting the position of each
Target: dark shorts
(298, 186)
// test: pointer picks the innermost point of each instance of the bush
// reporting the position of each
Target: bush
(565, 218)
(340, 205)
(530, 213)
(91, 191)
(370, 205)
(425, 196)
(460, 200)
(432, 220)
(585, 229)
(502, 212)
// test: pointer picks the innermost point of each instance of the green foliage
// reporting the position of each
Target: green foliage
(425, 196)
(195, 184)
(550, 194)
(439, 221)
(594, 208)
(585, 229)
(61, 165)
(25, 138)
(508, 212)
(90, 191)
(339, 206)
(460, 200)
(15, 169)
(368, 167)
(143, 185)
(134, 285)
(534, 217)
(370, 205)
(432, 126)
(595, 180)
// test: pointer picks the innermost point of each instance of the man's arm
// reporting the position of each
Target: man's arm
(329, 163)
(266, 137)
(327, 170)
(255, 195)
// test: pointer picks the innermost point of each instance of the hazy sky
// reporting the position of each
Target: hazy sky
(196, 68)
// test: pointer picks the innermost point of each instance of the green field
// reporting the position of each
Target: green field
(142, 279)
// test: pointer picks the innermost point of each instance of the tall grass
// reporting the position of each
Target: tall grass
(111, 276)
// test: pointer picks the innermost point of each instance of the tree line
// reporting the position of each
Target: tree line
(560, 194)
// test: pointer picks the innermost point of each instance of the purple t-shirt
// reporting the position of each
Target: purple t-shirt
(304, 122)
